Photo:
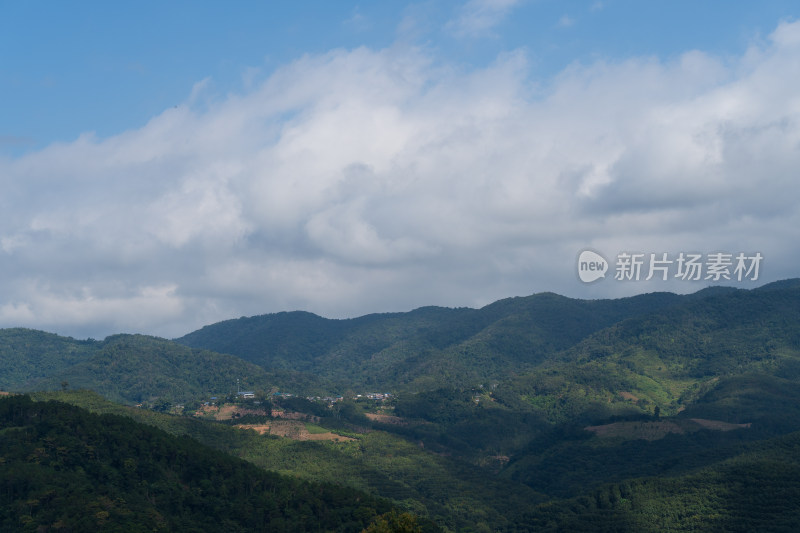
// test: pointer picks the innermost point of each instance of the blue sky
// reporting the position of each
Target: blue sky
(171, 164)
(74, 67)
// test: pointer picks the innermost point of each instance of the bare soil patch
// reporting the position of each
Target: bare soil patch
(261, 429)
(293, 430)
(289, 415)
(226, 412)
(629, 396)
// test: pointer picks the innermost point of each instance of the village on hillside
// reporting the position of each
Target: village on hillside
(288, 415)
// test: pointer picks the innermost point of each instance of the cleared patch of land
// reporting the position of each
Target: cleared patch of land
(294, 430)
(289, 415)
(227, 411)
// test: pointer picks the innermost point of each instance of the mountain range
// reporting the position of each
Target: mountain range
(600, 412)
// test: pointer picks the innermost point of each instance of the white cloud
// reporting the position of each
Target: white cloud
(478, 17)
(362, 180)
(83, 313)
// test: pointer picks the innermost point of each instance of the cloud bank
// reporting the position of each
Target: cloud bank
(370, 180)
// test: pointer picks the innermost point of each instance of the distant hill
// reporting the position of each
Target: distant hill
(27, 355)
(423, 348)
(127, 368)
(138, 368)
(661, 346)
(432, 347)
(671, 357)
(792, 283)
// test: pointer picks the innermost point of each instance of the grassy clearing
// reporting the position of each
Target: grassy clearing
(314, 429)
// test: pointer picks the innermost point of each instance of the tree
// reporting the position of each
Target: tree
(392, 522)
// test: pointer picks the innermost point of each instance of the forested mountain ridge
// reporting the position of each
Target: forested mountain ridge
(425, 347)
(125, 368)
(139, 368)
(727, 355)
(432, 346)
(27, 355)
(660, 336)
(671, 358)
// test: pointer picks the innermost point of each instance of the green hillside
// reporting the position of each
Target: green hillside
(27, 355)
(456, 495)
(424, 348)
(131, 368)
(138, 368)
(756, 490)
(669, 358)
(64, 469)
